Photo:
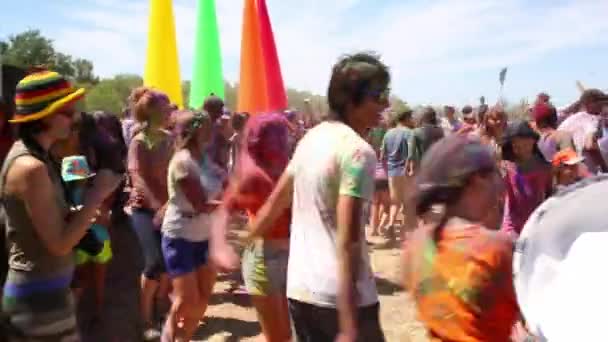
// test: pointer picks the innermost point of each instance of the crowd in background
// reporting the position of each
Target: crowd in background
(456, 189)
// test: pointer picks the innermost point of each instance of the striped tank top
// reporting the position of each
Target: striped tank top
(36, 298)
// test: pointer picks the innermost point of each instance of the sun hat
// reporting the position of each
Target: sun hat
(41, 94)
(521, 129)
(567, 157)
(75, 168)
(559, 281)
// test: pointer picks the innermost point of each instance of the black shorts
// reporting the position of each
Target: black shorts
(319, 324)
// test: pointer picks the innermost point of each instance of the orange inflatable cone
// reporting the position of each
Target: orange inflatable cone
(261, 88)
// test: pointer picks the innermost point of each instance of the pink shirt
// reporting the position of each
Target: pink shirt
(148, 171)
(525, 191)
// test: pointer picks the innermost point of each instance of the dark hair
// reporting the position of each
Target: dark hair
(446, 195)
(185, 128)
(429, 116)
(403, 115)
(100, 143)
(550, 120)
(467, 109)
(238, 121)
(27, 132)
(352, 78)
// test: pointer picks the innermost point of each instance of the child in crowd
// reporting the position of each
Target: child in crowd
(567, 168)
(94, 252)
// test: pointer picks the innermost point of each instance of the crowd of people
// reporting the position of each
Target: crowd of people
(456, 190)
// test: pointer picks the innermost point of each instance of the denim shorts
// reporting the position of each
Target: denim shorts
(142, 221)
(265, 268)
(183, 256)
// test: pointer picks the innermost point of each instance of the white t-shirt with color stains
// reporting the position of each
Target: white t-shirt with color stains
(331, 160)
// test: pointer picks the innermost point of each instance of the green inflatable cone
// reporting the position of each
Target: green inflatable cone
(207, 74)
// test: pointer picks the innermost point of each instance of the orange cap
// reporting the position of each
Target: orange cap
(566, 157)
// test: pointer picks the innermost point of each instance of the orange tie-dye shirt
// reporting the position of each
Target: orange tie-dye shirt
(462, 283)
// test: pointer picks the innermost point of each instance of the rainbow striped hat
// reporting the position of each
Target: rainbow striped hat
(41, 94)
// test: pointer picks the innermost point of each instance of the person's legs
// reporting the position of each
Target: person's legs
(99, 270)
(206, 276)
(395, 203)
(375, 216)
(370, 329)
(265, 275)
(384, 203)
(410, 221)
(148, 236)
(184, 258)
(82, 277)
(99, 282)
(396, 188)
(308, 322)
(273, 315)
(184, 309)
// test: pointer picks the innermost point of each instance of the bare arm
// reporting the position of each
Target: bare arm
(33, 185)
(196, 195)
(348, 249)
(280, 199)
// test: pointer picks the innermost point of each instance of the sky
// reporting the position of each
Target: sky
(439, 51)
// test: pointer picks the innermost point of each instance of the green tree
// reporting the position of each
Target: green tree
(29, 49)
(83, 71)
(111, 95)
(63, 64)
(230, 95)
(3, 47)
(186, 94)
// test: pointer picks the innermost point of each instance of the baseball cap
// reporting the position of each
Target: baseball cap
(567, 157)
(75, 168)
(559, 283)
(450, 160)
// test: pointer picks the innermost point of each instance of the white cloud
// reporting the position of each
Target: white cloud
(416, 38)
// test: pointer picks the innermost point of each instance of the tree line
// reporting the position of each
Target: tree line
(31, 49)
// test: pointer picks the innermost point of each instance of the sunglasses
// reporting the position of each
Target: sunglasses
(380, 95)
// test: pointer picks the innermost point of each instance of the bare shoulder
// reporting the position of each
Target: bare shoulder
(27, 166)
(25, 170)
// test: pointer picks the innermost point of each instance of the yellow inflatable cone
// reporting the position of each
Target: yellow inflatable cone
(162, 65)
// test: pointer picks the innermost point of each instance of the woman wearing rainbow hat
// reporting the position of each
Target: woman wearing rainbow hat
(41, 233)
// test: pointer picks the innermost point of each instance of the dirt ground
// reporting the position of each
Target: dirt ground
(230, 316)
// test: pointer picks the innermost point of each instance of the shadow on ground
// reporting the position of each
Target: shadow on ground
(233, 329)
(386, 287)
